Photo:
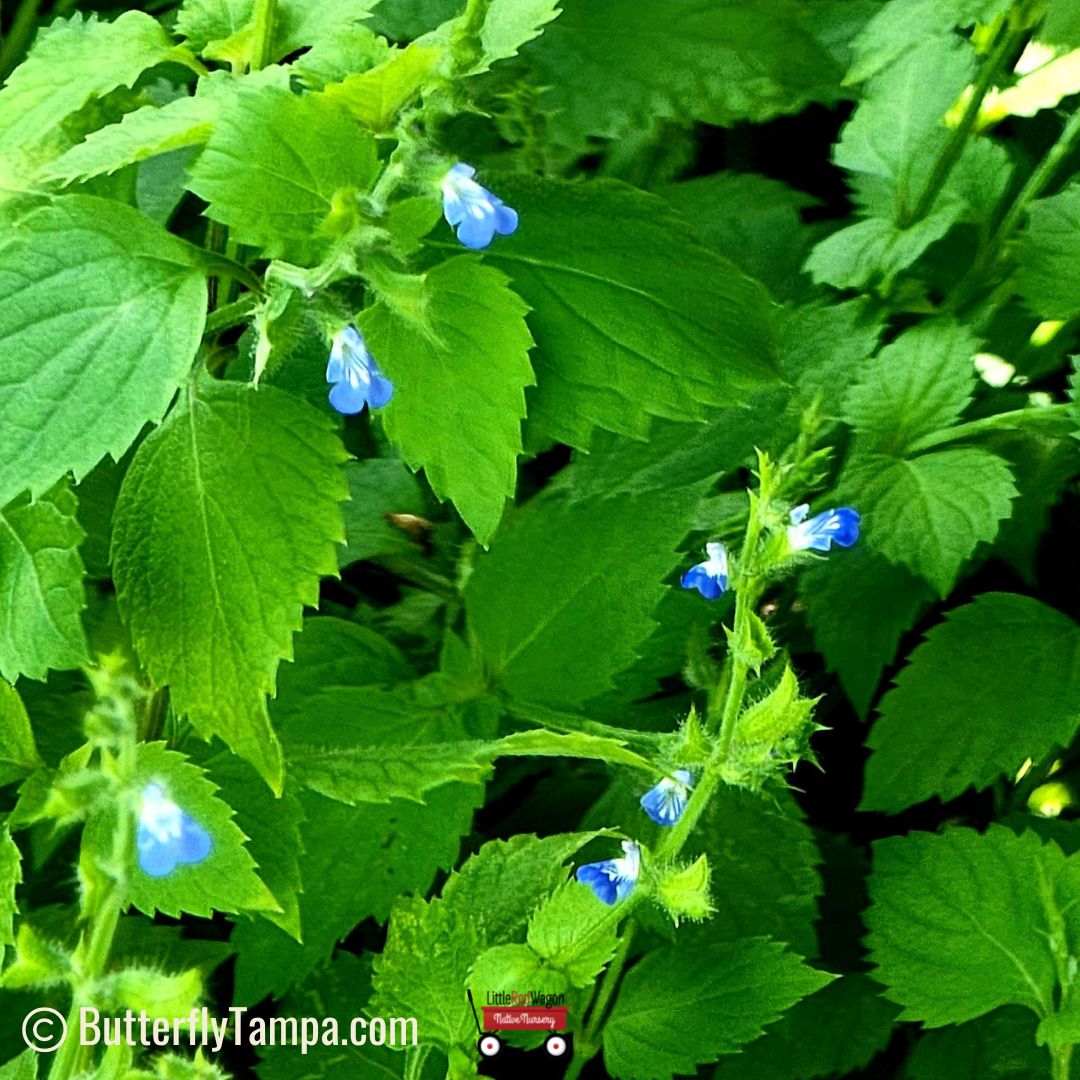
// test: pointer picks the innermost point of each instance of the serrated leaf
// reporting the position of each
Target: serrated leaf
(954, 719)
(468, 358)
(95, 58)
(353, 864)
(226, 880)
(729, 992)
(224, 29)
(18, 752)
(752, 220)
(573, 934)
(41, 579)
(858, 611)
(717, 62)
(227, 518)
(564, 599)
(101, 312)
(928, 513)
(272, 827)
(1048, 253)
(10, 877)
(632, 317)
(875, 251)
(277, 164)
(431, 947)
(999, 1046)
(507, 26)
(962, 923)
(141, 134)
(834, 1032)
(918, 385)
(902, 25)
(375, 97)
(764, 863)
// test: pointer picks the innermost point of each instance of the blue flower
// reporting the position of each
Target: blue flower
(472, 210)
(666, 802)
(709, 577)
(821, 532)
(356, 377)
(166, 835)
(613, 879)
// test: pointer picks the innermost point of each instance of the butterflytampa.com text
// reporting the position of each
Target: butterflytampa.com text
(200, 1028)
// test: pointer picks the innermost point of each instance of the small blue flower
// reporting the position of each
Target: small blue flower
(166, 835)
(472, 210)
(666, 802)
(709, 577)
(839, 526)
(356, 377)
(613, 879)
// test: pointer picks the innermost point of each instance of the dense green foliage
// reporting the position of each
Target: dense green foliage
(398, 677)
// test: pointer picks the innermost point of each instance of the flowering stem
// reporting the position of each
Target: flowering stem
(102, 902)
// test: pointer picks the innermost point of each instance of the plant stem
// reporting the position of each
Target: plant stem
(532, 713)
(234, 314)
(1008, 38)
(101, 918)
(265, 12)
(1060, 1060)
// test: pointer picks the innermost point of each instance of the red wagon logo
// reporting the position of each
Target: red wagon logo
(520, 1018)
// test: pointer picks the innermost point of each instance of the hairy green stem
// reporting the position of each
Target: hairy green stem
(532, 713)
(101, 917)
(1060, 1062)
(234, 314)
(466, 48)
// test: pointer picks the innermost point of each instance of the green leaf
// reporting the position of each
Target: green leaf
(278, 164)
(224, 29)
(564, 599)
(727, 994)
(23, 1067)
(141, 134)
(834, 1032)
(952, 719)
(375, 97)
(272, 827)
(962, 923)
(918, 385)
(929, 512)
(718, 62)
(633, 318)
(379, 487)
(227, 518)
(224, 881)
(764, 863)
(469, 358)
(94, 57)
(876, 250)
(403, 20)
(902, 25)
(572, 933)
(507, 25)
(858, 610)
(10, 877)
(431, 947)
(752, 220)
(41, 579)
(79, 381)
(1000, 1046)
(18, 753)
(353, 864)
(1048, 253)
